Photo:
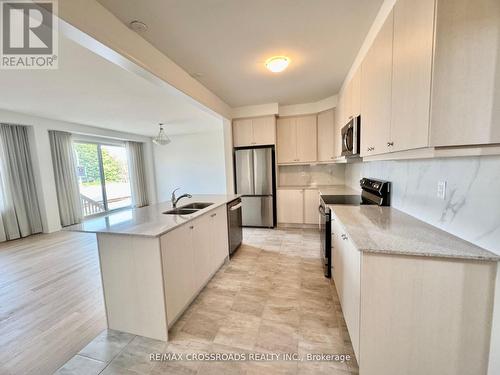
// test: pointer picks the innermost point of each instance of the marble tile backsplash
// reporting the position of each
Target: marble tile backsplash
(471, 208)
(307, 175)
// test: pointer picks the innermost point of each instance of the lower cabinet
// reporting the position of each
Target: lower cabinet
(402, 309)
(311, 204)
(347, 274)
(191, 254)
(290, 206)
(298, 206)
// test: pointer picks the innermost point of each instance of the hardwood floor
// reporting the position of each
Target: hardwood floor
(51, 302)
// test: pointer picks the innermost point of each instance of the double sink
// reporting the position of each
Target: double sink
(188, 208)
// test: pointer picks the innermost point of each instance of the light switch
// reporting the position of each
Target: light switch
(441, 190)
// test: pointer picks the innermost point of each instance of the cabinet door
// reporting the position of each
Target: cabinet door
(307, 139)
(351, 288)
(376, 83)
(203, 263)
(264, 130)
(326, 135)
(311, 203)
(218, 237)
(339, 123)
(466, 75)
(242, 132)
(338, 267)
(290, 206)
(411, 73)
(356, 93)
(286, 140)
(178, 263)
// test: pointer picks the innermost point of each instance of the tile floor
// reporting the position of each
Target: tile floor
(271, 298)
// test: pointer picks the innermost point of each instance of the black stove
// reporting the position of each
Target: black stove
(373, 192)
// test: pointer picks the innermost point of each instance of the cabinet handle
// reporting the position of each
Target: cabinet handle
(191, 227)
(389, 144)
(213, 215)
(344, 237)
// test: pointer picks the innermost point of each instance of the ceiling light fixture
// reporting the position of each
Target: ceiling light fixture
(162, 138)
(277, 64)
(138, 26)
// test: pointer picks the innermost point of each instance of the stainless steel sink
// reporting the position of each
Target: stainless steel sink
(181, 211)
(197, 205)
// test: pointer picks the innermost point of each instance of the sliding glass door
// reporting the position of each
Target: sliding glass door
(103, 177)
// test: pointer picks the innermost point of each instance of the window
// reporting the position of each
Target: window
(103, 177)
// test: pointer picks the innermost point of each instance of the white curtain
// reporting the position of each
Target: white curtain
(19, 206)
(68, 192)
(137, 172)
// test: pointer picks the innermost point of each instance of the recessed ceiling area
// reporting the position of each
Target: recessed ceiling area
(88, 89)
(225, 43)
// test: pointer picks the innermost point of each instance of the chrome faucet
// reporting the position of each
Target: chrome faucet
(175, 200)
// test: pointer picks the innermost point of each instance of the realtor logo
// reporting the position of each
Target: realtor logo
(29, 34)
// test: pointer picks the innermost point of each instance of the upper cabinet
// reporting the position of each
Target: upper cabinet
(254, 131)
(376, 88)
(326, 136)
(297, 139)
(411, 74)
(465, 94)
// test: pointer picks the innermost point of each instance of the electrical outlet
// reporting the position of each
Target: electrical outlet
(441, 190)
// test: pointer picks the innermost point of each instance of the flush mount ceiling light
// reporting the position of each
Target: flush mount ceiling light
(138, 26)
(161, 139)
(277, 64)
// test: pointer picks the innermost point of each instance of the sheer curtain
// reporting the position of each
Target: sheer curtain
(137, 172)
(68, 192)
(19, 207)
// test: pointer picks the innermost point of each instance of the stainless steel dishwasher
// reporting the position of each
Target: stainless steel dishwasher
(234, 227)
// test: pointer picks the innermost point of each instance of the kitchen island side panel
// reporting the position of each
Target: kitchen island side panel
(132, 279)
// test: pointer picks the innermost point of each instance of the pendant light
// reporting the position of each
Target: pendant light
(161, 139)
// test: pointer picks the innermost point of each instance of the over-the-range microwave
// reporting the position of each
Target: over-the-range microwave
(351, 137)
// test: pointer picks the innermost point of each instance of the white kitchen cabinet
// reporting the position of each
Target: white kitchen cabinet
(297, 139)
(327, 135)
(290, 204)
(191, 254)
(311, 204)
(411, 74)
(200, 229)
(376, 88)
(339, 123)
(286, 140)
(254, 131)
(465, 97)
(346, 273)
(218, 234)
(355, 107)
(178, 263)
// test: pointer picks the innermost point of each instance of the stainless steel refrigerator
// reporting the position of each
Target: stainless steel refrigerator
(255, 181)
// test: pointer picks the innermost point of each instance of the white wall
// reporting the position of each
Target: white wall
(471, 209)
(42, 159)
(196, 163)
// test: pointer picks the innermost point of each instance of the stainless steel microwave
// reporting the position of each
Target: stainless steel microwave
(351, 137)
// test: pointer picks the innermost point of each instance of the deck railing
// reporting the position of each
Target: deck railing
(90, 206)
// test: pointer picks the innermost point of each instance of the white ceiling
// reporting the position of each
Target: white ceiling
(90, 90)
(227, 42)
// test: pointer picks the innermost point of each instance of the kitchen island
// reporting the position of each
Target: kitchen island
(154, 264)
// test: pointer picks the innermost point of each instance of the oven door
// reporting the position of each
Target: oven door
(326, 239)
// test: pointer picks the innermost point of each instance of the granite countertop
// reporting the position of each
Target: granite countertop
(148, 221)
(390, 231)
